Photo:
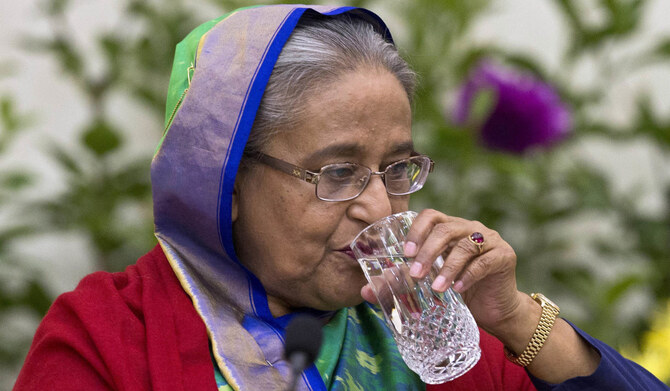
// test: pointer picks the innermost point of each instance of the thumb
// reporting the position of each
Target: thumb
(368, 294)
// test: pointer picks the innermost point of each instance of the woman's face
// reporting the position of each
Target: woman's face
(296, 244)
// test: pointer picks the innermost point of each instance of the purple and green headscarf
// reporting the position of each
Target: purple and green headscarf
(219, 76)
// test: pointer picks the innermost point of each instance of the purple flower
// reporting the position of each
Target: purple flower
(525, 112)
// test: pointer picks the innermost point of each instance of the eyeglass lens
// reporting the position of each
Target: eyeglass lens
(339, 182)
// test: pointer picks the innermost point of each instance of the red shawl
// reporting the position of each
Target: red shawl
(135, 330)
(493, 371)
(138, 330)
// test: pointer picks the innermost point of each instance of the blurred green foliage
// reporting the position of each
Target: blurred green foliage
(537, 199)
(540, 202)
(31, 294)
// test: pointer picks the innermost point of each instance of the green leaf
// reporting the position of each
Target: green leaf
(663, 48)
(112, 45)
(649, 123)
(470, 59)
(65, 159)
(10, 118)
(16, 180)
(576, 278)
(10, 234)
(37, 298)
(101, 138)
(138, 8)
(615, 292)
(621, 19)
(147, 95)
(70, 59)
(482, 105)
(133, 180)
(56, 7)
(523, 61)
(34, 297)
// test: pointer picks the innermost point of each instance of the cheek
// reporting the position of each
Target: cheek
(315, 223)
(294, 225)
(399, 203)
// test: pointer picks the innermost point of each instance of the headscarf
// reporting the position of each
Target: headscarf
(220, 73)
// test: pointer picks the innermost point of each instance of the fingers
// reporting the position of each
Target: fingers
(431, 234)
(464, 253)
(500, 260)
(434, 234)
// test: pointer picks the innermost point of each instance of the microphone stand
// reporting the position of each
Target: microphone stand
(303, 341)
(299, 362)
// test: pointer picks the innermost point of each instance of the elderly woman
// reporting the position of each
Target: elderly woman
(286, 128)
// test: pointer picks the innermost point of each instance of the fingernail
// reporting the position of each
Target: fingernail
(458, 285)
(415, 270)
(410, 249)
(440, 283)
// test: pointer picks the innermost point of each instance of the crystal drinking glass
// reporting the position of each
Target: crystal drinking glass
(435, 332)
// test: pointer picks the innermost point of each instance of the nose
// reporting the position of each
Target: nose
(372, 204)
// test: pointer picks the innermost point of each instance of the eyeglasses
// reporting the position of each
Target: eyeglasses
(346, 181)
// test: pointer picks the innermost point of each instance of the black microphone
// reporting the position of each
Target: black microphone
(303, 342)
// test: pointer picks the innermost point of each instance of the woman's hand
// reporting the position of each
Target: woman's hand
(487, 283)
(486, 280)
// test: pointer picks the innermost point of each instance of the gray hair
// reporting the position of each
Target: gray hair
(319, 51)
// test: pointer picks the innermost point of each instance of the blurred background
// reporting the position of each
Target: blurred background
(549, 121)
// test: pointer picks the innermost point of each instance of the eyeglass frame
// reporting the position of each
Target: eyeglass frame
(314, 177)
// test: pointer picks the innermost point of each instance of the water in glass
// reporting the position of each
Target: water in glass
(435, 332)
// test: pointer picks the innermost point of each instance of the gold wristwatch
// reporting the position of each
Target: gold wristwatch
(549, 313)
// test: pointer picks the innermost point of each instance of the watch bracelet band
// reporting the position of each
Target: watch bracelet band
(549, 313)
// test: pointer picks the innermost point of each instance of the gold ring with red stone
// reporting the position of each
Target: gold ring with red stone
(478, 240)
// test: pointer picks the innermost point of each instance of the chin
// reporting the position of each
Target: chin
(349, 300)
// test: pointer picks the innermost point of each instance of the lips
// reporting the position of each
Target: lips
(347, 251)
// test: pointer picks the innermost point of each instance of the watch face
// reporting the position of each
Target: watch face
(543, 299)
